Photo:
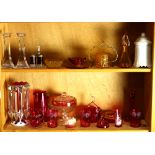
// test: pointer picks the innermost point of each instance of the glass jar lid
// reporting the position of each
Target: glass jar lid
(64, 100)
(142, 39)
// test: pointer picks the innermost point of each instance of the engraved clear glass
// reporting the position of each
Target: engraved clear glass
(7, 59)
(22, 62)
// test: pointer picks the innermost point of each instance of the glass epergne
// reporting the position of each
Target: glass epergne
(7, 59)
(22, 62)
(18, 103)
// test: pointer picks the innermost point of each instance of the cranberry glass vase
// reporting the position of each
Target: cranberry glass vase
(40, 102)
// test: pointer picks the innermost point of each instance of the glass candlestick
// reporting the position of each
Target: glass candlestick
(22, 62)
(7, 59)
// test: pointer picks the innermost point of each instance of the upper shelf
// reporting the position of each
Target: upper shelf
(79, 70)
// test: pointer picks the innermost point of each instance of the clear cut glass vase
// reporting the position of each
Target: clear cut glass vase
(22, 62)
(7, 59)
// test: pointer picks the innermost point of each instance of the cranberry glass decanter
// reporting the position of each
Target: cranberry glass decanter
(22, 62)
(7, 59)
(125, 61)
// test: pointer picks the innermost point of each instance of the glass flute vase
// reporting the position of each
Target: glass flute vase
(22, 62)
(7, 59)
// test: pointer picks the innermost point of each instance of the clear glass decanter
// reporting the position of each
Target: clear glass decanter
(125, 61)
(7, 59)
(22, 62)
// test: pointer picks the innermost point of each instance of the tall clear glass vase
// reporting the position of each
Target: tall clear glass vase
(7, 59)
(22, 62)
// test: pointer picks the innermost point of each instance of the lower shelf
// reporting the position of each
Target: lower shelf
(43, 128)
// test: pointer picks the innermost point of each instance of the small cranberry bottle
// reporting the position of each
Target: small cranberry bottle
(118, 119)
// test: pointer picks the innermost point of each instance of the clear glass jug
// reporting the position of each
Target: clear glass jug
(103, 55)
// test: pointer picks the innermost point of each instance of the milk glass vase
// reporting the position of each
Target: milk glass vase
(7, 59)
(22, 62)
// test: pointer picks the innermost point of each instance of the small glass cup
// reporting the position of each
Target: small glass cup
(135, 118)
(52, 118)
(84, 123)
(52, 123)
(35, 119)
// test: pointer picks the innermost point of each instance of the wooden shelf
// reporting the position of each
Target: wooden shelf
(80, 70)
(43, 128)
(109, 86)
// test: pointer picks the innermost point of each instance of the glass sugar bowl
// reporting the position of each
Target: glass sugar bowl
(65, 105)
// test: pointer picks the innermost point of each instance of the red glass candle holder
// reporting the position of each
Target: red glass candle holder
(84, 123)
(52, 118)
(102, 123)
(52, 123)
(35, 119)
(135, 118)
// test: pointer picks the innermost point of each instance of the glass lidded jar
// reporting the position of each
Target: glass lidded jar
(65, 105)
